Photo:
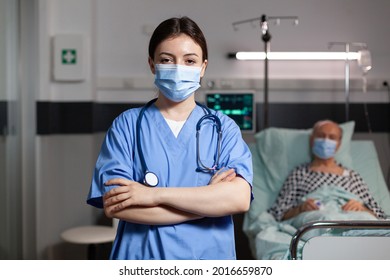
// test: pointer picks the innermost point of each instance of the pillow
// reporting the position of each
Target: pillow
(366, 163)
(283, 149)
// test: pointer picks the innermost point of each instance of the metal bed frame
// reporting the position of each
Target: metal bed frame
(385, 224)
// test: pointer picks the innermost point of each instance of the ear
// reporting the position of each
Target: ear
(151, 65)
(204, 66)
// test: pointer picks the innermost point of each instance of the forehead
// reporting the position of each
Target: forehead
(179, 45)
(328, 128)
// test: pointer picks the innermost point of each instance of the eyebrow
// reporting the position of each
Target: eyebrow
(170, 54)
(189, 54)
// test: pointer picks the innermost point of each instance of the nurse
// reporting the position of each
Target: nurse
(201, 177)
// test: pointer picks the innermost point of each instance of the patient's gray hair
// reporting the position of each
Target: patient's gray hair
(318, 124)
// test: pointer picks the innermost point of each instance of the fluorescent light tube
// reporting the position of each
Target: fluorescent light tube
(297, 55)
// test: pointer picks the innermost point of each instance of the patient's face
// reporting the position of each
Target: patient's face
(330, 131)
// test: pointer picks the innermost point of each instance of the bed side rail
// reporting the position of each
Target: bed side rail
(382, 224)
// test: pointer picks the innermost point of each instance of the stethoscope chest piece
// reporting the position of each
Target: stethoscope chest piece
(150, 179)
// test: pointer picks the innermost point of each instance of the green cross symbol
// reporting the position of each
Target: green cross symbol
(69, 56)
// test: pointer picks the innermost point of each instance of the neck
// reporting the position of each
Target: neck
(323, 162)
(177, 111)
(326, 165)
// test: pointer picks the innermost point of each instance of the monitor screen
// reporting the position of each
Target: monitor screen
(240, 106)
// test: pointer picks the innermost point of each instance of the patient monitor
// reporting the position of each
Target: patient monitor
(240, 106)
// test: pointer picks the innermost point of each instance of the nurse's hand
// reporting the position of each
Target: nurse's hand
(128, 193)
(223, 176)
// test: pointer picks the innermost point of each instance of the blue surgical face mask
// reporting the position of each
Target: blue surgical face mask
(324, 148)
(177, 82)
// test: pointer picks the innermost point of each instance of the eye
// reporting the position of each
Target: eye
(190, 61)
(166, 60)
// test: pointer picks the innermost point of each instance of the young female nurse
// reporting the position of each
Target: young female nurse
(173, 172)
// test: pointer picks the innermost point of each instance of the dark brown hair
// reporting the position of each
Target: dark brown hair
(173, 27)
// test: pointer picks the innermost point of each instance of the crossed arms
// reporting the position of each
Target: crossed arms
(131, 201)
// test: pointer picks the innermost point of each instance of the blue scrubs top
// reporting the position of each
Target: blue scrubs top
(175, 163)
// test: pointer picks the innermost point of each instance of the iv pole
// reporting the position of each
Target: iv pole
(266, 37)
(346, 71)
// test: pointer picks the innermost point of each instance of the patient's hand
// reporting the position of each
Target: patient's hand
(354, 205)
(308, 205)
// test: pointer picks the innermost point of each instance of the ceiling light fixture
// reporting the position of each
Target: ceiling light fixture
(295, 55)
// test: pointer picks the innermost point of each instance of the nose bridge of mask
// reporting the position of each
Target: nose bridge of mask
(325, 144)
(178, 72)
(327, 141)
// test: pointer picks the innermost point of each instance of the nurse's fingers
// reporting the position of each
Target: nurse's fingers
(123, 186)
(230, 177)
(116, 195)
(223, 173)
(134, 194)
(118, 181)
(110, 210)
(116, 191)
(223, 176)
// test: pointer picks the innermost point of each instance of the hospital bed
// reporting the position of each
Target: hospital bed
(276, 151)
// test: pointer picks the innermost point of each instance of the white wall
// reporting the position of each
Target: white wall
(65, 167)
(117, 35)
(122, 44)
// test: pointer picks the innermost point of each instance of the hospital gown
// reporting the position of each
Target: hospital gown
(174, 161)
(303, 181)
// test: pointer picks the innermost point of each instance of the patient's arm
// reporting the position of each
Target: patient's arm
(308, 205)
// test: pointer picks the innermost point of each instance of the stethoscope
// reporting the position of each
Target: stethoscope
(150, 178)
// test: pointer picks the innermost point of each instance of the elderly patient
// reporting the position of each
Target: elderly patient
(323, 170)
